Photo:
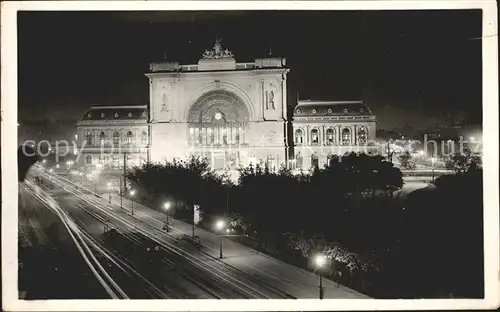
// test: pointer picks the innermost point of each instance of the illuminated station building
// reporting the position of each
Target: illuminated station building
(233, 114)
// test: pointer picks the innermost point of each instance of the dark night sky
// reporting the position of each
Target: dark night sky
(412, 67)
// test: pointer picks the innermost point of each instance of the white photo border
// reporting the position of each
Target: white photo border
(9, 160)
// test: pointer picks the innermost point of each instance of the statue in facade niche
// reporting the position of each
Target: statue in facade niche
(270, 100)
(164, 107)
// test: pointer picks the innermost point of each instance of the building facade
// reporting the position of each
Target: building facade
(322, 129)
(233, 114)
(110, 137)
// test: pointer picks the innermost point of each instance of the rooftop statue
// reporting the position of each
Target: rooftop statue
(218, 52)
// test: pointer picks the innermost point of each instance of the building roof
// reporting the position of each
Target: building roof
(134, 112)
(331, 108)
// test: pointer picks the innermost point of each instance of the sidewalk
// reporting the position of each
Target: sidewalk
(293, 280)
(297, 282)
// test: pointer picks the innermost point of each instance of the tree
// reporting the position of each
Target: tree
(26, 157)
(407, 161)
(466, 161)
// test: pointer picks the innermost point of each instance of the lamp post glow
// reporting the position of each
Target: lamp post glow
(109, 191)
(166, 206)
(320, 261)
(220, 225)
(132, 193)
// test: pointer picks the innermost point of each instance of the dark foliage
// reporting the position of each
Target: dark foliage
(26, 157)
(428, 245)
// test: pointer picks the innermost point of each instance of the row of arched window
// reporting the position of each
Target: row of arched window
(207, 136)
(114, 161)
(116, 139)
(331, 137)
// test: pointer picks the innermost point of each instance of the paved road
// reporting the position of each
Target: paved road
(274, 278)
(50, 264)
(178, 269)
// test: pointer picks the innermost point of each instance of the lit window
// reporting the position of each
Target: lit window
(330, 136)
(314, 136)
(362, 136)
(299, 136)
(89, 138)
(129, 137)
(116, 138)
(346, 136)
(102, 137)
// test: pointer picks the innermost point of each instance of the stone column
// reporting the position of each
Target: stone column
(355, 135)
(340, 134)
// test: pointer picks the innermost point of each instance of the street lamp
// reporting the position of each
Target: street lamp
(132, 193)
(320, 261)
(167, 207)
(220, 225)
(109, 191)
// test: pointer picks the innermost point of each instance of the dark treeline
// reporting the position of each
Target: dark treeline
(428, 244)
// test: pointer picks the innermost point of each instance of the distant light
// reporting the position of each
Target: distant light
(75, 152)
(109, 184)
(18, 124)
(57, 166)
(51, 170)
(220, 225)
(228, 230)
(218, 116)
(421, 153)
(166, 205)
(132, 192)
(81, 173)
(320, 260)
(472, 138)
(44, 161)
(76, 136)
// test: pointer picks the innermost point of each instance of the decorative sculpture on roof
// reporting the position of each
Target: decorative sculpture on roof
(218, 52)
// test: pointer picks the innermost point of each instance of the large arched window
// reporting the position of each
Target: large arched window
(218, 117)
(346, 136)
(116, 138)
(88, 160)
(362, 136)
(89, 138)
(314, 136)
(130, 137)
(330, 136)
(299, 136)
